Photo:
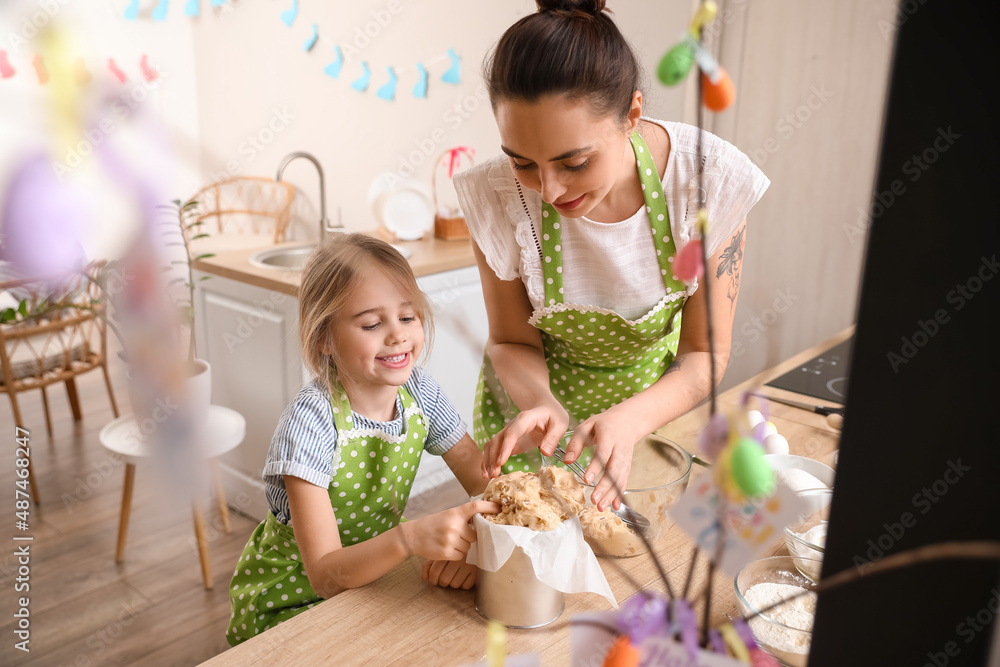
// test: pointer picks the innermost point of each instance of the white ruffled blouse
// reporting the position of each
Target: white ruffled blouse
(611, 266)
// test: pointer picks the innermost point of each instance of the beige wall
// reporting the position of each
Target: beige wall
(250, 64)
(811, 79)
(95, 30)
(229, 73)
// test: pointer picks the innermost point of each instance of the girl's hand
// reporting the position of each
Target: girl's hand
(450, 573)
(537, 428)
(446, 535)
(612, 440)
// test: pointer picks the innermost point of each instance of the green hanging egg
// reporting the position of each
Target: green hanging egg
(675, 65)
(750, 470)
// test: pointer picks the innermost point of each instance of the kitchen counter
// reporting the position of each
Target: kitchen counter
(430, 255)
(366, 625)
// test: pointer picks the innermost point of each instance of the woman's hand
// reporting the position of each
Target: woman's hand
(445, 535)
(450, 573)
(538, 428)
(611, 437)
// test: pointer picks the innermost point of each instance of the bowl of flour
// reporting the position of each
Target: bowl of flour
(784, 631)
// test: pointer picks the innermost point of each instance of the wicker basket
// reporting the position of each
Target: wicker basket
(449, 223)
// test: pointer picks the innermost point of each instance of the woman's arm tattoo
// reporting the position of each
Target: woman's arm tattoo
(731, 264)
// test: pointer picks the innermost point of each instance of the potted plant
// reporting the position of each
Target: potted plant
(181, 229)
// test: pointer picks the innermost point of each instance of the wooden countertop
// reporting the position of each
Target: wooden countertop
(430, 255)
(401, 620)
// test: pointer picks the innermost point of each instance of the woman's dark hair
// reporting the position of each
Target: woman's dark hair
(568, 47)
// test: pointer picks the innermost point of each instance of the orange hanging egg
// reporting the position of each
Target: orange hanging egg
(718, 96)
(622, 654)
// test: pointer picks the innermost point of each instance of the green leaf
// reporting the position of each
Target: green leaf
(196, 223)
(23, 307)
(204, 256)
(190, 204)
(177, 202)
(204, 278)
(199, 236)
(7, 315)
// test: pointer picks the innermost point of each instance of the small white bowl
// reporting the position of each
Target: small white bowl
(820, 471)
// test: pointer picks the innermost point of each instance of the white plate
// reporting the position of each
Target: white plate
(404, 206)
(408, 214)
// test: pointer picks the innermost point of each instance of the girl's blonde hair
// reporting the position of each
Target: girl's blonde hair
(330, 277)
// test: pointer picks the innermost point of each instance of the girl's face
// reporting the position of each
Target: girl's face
(378, 335)
(560, 149)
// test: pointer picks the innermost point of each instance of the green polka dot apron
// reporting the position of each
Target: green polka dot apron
(596, 358)
(369, 487)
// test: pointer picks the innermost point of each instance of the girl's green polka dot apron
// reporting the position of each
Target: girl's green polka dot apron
(596, 358)
(369, 489)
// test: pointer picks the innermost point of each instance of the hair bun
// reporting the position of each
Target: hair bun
(569, 7)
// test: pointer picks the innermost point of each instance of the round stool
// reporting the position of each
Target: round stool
(224, 430)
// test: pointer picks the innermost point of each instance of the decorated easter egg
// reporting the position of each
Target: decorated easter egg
(755, 417)
(762, 430)
(714, 436)
(689, 263)
(622, 654)
(750, 470)
(719, 95)
(675, 65)
(722, 473)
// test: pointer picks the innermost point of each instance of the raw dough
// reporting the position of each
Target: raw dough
(540, 501)
(608, 535)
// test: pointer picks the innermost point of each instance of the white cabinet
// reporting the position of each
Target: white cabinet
(250, 337)
(460, 333)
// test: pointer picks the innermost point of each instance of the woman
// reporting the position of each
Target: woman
(575, 231)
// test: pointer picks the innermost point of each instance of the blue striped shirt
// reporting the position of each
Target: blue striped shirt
(305, 441)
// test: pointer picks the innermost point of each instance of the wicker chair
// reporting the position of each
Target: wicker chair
(56, 347)
(247, 205)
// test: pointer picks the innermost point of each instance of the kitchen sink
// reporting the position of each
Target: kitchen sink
(289, 258)
(294, 258)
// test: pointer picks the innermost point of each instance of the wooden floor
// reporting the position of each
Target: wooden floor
(84, 609)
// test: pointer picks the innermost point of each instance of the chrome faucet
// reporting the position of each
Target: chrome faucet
(324, 223)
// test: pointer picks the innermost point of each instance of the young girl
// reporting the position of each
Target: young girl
(346, 450)
(576, 228)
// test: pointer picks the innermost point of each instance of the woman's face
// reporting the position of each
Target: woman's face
(560, 149)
